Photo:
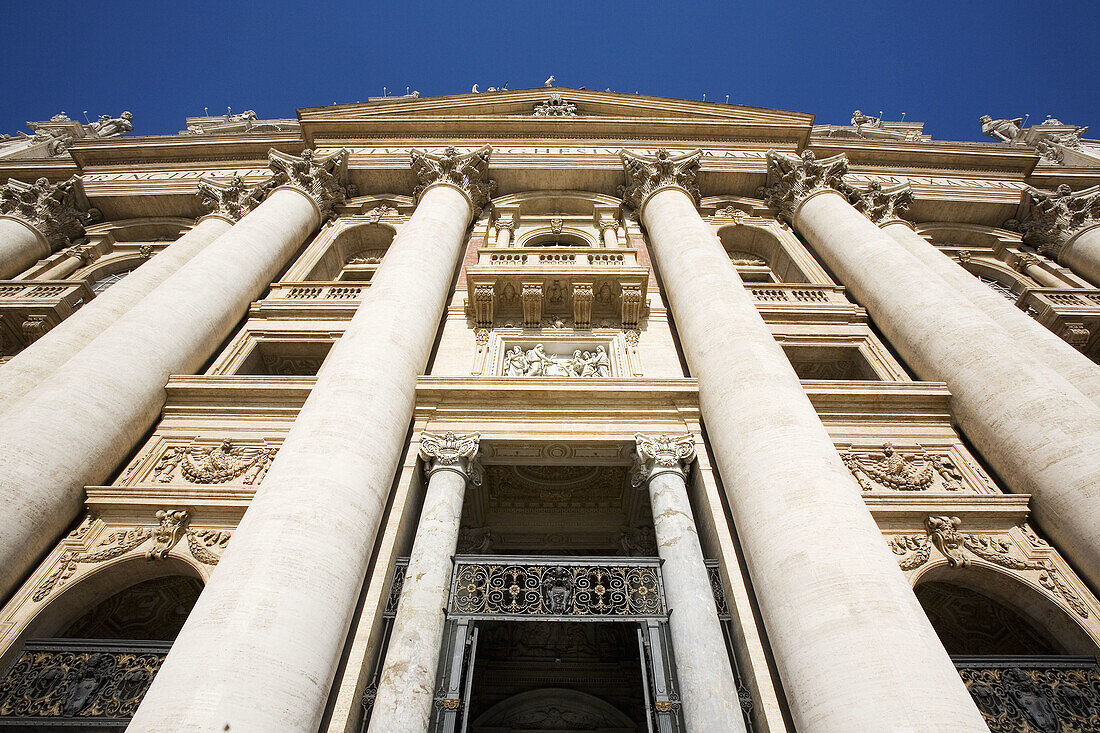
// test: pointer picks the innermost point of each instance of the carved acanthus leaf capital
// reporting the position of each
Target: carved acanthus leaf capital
(793, 179)
(57, 211)
(450, 452)
(468, 172)
(657, 454)
(883, 205)
(1054, 218)
(232, 199)
(322, 179)
(645, 175)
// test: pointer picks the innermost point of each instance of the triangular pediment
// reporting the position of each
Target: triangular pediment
(588, 112)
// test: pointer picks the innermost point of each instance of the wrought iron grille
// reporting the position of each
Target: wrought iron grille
(575, 588)
(400, 565)
(719, 593)
(78, 681)
(1017, 694)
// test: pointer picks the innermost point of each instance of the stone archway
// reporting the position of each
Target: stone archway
(552, 709)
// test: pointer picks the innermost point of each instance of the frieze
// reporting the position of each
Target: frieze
(888, 469)
(203, 463)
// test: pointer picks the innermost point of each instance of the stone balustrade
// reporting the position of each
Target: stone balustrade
(556, 256)
(30, 308)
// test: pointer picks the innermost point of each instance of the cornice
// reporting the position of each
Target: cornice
(53, 169)
(887, 154)
(182, 149)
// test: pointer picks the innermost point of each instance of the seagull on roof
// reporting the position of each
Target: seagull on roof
(549, 82)
(475, 90)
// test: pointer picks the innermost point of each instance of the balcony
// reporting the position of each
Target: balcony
(784, 302)
(323, 300)
(58, 684)
(30, 308)
(1017, 694)
(1071, 313)
(576, 284)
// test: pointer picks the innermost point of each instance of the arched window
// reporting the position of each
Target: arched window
(107, 281)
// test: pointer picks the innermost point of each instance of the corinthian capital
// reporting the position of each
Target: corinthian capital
(230, 200)
(57, 211)
(792, 180)
(882, 205)
(657, 454)
(645, 176)
(468, 172)
(322, 179)
(1053, 219)
(452, 452)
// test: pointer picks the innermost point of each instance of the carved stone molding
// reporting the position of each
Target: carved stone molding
(56, 211)
(792, 180)
(205, 545)
(322, 179)
(657, 454)
(450, 452)
(582, 304)
(468, 172)
(1055, 218)
(231, 200)
(555, 106)
(645, 175)
(883, 205)
(919, 471)
(217, 464)
(942, 532)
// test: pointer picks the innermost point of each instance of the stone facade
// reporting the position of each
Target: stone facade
(549, 409)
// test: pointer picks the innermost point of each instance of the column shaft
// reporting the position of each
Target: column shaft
(30, 366)
(708, 690)
(1082, 255)
(82, 421)
(261, 646)
(407, 688)
(21, 245)
(853, 647)
(1025, 330)
(1008, 403)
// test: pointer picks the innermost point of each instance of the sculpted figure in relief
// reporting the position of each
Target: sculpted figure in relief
(537, 363)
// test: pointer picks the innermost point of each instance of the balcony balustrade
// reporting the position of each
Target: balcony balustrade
(30, 308)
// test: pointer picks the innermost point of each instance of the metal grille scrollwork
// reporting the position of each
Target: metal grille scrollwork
(1017, 694)
(574, 588)
(75, 680)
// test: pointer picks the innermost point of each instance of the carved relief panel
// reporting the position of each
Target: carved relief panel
(204, 460)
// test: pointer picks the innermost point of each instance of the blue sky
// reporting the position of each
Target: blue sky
(943, 63)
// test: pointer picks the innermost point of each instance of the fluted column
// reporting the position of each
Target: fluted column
(261, 646)
(885, 206)
(36, 219)
(407, 686)
(82, 421)
(708, 691)
(1065, 226)
(852, 645)
(227, 203)
(1032, 425)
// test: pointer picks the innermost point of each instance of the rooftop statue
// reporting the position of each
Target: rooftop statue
(1006, 131)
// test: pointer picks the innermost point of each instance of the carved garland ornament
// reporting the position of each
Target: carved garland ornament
(218, 464)
(52, 209)
(902, 473)
(231, 200)
(321, 179)
(943, 533)
(205, 546)
(1055, 218)
(645, 175)
(792, 180)
(468, 172)
(555, 106)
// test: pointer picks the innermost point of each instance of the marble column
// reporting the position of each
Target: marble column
(80, 423)
(1029, 265)
(851, 644)
(1010, 404)
(609, 231)
(1065, 226)
(36, 219)
(226, 202)
(504, 226)
(708, 691)
(407, 686)
(884, 207)
(261, 646)
(75, 257)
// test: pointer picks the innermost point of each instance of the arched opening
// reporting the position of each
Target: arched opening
(562, 239)
(1026, 662)
(759, 256)
(95, 649)
(354, 254)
